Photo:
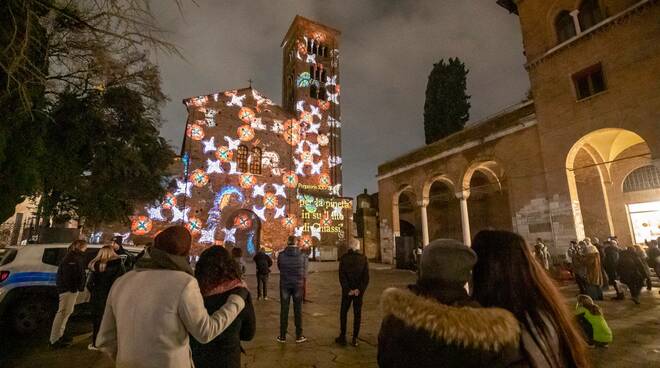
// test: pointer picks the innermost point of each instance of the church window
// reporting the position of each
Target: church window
(242, 158)
(255, 162)
(589, 81)
(564, 26)
(589, 14)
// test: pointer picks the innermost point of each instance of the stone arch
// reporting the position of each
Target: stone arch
(443, 208)
(600, 160)
(484, 189)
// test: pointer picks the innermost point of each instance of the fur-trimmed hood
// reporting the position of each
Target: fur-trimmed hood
(489, 329)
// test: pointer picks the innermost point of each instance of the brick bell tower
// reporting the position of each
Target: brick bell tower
(311, 91)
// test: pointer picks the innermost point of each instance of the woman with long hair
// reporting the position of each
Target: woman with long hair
(70, 281)
(507, 276)
(218, 274)
(105, 268)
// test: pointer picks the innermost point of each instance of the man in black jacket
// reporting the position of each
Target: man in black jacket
(128, 260)
(354, 278)
(70, 281)
(291, 263)
(263, 263)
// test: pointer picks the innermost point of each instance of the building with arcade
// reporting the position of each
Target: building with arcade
(582, 158)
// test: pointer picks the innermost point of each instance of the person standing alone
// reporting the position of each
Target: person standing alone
(354, 278)
(291, 264)
(263, 263)
(70, 281)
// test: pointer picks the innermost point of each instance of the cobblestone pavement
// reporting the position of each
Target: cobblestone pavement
(636, 329)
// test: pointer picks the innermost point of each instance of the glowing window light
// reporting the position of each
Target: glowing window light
(195, 132)
(141, 225)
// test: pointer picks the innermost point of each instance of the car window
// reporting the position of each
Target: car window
(7, 256)
(53, 256)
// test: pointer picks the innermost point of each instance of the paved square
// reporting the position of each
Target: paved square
(636, 331)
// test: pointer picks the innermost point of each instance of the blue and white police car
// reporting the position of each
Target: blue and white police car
(28, 294)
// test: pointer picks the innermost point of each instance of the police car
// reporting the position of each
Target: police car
(28, 294)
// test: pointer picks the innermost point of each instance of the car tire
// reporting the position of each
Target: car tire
(32, 315)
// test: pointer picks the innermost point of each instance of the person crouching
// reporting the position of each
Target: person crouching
(436, 322)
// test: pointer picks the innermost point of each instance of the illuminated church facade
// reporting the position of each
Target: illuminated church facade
(254, 172)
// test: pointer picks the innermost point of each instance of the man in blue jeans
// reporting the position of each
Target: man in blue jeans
(291, 263)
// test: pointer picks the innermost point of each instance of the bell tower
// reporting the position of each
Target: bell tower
(311, 91)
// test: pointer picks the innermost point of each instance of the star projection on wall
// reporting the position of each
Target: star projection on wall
(258, 190)
(155, 213)
(236, 100)
(207, 236)
(183, 188)
(233, 143)
(209, 145)
(180, 215)
(260, 212)
(213, 166)
(230, 235)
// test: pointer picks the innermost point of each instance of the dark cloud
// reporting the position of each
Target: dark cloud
(387, 50)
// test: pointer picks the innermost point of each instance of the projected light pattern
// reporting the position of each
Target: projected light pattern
(249, 160)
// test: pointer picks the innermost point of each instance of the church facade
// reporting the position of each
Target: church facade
(254, 172)
(582, 158)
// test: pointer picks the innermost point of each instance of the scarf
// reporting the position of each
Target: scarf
(156, 259)
(226, 286)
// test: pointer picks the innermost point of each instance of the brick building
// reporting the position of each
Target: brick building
(581, 159)
(255, 172)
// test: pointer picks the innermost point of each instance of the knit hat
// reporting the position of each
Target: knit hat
(175, 240)
(447, 261)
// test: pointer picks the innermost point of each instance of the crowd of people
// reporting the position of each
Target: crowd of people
(596, 267)
(493, 304)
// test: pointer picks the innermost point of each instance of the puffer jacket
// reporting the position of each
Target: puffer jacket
(291, 263)
(419, 331)
(631, 268)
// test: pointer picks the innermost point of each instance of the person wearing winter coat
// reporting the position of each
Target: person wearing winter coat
(632, 272)
(506, 276)
(641, 253)
(353, 278)
(218, 274)
(237, 254)
(610, 262)
(435, 323)
(590, 318)
(127, 258)
(263, 263)
(105, 268)
(653, 256)
(291, 263)
(70, 281)
(594, 274)
(152, 310)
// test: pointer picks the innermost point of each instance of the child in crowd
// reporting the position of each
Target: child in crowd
(590, 318)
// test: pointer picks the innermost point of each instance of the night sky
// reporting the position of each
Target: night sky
(387, 50)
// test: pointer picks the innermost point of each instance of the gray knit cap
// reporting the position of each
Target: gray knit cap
(447, 261)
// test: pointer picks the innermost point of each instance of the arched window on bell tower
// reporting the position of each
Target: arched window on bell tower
(255, 161)
(242, 158)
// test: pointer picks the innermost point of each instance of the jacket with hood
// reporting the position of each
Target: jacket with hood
(419, 331)
(150, 312)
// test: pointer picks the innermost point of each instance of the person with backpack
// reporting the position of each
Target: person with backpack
(105, 268)
(70, 281)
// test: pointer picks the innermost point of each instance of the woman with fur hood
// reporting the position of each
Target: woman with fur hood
(435, 323)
